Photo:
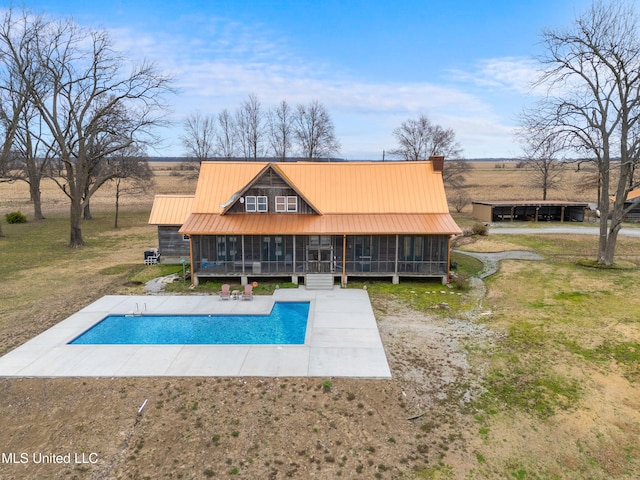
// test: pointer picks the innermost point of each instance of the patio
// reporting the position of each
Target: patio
(342, 340)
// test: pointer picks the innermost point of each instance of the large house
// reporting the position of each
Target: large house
(308, 220)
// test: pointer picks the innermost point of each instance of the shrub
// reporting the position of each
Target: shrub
(480, 229)
(15, 217)
(461, 281)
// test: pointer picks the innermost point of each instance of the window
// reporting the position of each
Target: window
(286, 204)
(262, 204)
(185, 237)
(255, 204)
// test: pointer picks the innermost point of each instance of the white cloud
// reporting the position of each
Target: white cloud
(507, 73)
(218, 63)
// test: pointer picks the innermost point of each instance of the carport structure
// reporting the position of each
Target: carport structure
(529, 210)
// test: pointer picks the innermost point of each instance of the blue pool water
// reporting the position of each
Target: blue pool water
(286, 324)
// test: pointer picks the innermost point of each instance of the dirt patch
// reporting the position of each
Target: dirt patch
(217, 427)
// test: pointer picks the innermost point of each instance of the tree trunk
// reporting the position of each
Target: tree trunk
(1, 234)
(115, 224)
(603, 241)
(86, 212)
(603, 205)
(76, 220)
(37, 201)
(610, 246)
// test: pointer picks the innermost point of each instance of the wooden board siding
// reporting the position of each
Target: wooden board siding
(271, 192)
(171, 243)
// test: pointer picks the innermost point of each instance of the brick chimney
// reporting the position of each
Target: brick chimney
(438, 162)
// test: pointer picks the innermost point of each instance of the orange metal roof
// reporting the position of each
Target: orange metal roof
(333, 187)
(171, 209)
(352, 198)
(633, 194)
(330, 224)
(219, 181)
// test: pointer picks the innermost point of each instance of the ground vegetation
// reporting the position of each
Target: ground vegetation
(531, 373)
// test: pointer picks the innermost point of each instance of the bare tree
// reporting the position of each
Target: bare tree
(250, 127)
(78, 85)
(314, 131)
(130, 173)
(24, 157)
(226, 136)
(593, 102)
(419, 139)
(459, 199)
(199, 137)
(280, 127)
(541, 157)
(455, 172)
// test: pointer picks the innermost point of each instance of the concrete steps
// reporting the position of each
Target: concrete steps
(319, 281)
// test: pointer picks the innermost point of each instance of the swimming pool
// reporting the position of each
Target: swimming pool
(286, 324)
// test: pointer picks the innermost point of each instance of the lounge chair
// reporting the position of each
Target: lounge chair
(248, 292)
(225, 293)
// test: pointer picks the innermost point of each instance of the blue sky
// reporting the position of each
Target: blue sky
(466, 65)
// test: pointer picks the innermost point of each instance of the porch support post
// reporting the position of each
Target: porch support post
(294, 276)
(194, 277)
(448, 277)
(242, 247)
(344, 260)
(396, 278)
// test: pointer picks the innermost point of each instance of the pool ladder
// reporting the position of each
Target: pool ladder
(139, 312)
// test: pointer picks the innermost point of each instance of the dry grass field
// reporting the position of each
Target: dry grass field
(534, 375)
(505, 181)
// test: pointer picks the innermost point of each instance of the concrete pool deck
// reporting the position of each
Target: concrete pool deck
(342, 340)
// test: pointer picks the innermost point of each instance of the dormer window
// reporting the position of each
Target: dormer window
(286, 204)
(256, 203)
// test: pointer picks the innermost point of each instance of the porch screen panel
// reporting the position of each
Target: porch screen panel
(384, 248)
(423, 254)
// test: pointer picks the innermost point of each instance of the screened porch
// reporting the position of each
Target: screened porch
(297, 255)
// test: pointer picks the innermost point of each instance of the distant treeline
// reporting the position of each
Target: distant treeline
(293, 159)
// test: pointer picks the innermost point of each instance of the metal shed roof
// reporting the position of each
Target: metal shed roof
(170, 209)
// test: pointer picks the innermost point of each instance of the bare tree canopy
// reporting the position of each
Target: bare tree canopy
(130, 171)
(593, 102)
(226, 135)
(314, 132)
(90, 108)
(199, 137)
(250, 127)
(280, 124)
(419, 139)
(542, 158)
(253, 133)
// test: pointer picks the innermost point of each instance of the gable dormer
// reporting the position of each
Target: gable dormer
(269, 192)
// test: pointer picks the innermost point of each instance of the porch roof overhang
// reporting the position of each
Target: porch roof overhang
(336, 224)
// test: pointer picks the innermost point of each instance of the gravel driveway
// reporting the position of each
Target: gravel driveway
(508, 228)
